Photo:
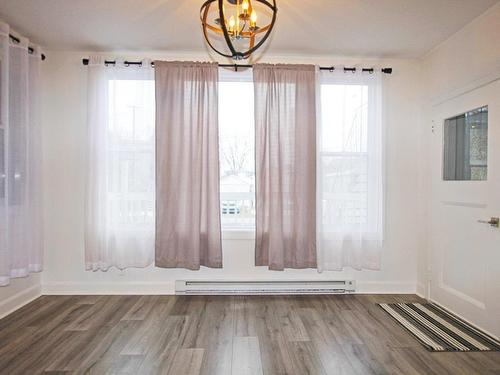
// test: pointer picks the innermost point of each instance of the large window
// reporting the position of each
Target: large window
(237, 150)
(343, 151)
(131, 153)
(350, 154)
(348, 158)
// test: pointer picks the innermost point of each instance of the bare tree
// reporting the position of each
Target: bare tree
(236, 155)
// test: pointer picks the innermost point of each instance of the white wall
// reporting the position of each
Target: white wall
(468, 60)
(64, 129)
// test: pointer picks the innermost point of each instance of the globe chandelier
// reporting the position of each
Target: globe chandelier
(235, 28)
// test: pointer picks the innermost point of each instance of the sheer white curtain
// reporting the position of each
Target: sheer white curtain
(350, 185)
(21, 243)
(119, 201)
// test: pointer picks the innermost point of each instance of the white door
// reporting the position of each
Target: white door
(464, 253)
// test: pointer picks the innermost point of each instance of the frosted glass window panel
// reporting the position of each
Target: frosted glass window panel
(466, 146)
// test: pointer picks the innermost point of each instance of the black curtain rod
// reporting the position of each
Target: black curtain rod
(30, 50)
(244, 66)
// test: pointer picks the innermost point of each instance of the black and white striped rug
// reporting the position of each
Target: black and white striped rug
(438, 330)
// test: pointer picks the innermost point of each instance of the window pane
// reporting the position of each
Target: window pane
(344, 186)
(466, 146)
(237, 155)
(344, 113)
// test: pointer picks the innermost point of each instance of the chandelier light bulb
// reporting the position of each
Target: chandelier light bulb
(253, 18)
(231, 24)
(245, 5)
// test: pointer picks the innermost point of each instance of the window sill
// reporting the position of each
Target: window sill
(238, 234)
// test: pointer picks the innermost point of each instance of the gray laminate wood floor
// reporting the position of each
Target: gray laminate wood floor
(343, 334)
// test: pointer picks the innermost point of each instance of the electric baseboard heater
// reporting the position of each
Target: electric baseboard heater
(269, 287)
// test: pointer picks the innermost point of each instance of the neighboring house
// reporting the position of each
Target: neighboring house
(237, 199)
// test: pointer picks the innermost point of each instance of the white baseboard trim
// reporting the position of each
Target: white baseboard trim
(62, 288)
(18, 300)
(168, 288)
(385, 287)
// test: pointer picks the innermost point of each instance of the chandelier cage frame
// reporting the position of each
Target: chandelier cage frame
(236, 55)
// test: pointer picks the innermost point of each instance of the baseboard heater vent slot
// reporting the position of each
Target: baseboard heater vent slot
(201, 287)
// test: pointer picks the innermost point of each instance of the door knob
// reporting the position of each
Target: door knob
(494, 222)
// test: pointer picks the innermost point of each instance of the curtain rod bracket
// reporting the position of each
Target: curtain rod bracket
(30, 49)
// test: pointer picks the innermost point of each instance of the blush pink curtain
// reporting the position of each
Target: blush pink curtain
(285, 148)
(188, 229)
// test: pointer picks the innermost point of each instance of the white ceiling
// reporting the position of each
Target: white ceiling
(378, 28)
